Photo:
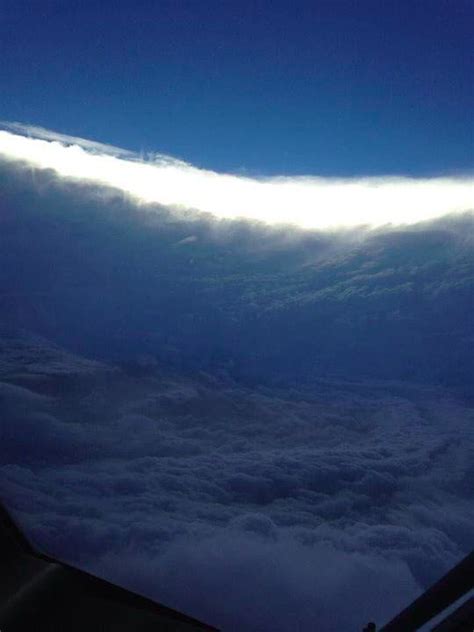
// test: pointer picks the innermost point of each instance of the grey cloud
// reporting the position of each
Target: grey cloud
(246, 582)
(287, 416)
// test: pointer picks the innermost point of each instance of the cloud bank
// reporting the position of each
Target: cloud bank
(114, 280)
(306, 202)
(268, 428)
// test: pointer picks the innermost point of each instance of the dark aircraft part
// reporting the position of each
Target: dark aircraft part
(40, 594)
(461, 620)
(443, 594)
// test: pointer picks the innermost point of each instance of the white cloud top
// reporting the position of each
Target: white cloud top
(305, 201)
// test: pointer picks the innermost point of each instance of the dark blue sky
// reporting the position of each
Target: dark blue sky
(329, 87)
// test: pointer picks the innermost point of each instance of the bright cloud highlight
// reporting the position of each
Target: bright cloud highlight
(305, 201)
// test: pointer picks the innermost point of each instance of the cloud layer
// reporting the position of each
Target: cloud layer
(268, 428)
(111, 279)
(252, 508)
(306, 202)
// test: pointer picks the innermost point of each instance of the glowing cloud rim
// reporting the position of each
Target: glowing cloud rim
(304, 201)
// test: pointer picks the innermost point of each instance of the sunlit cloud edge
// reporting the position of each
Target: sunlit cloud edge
(308, 202)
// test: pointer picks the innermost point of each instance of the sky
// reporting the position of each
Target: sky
(332, 88)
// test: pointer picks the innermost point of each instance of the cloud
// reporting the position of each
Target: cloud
(34, 131)
(110, 279)
(211, 410)
(252, 508)
(306, 201)
(239, 581)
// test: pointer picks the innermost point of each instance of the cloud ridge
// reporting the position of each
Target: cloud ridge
(308, 202)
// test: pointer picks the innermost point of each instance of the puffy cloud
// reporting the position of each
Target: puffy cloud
(266, 411)
(245, 582)
(263, 530)
(108, 279)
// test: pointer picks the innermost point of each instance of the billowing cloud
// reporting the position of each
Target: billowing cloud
(306, 201)
(209, 411)
(251, 508)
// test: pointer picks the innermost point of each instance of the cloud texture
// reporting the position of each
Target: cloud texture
(306, 202)
(252, 508)
(269, 428)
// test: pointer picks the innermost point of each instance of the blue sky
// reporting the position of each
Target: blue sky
(330, 88)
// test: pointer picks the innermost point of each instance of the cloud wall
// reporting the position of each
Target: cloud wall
(307, 202)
